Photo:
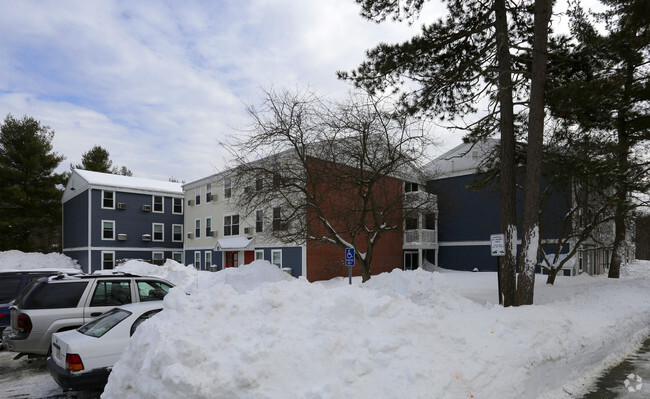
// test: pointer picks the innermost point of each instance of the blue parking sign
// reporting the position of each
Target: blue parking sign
(349, 256)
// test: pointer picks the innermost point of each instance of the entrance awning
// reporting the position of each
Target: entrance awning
(234, 244)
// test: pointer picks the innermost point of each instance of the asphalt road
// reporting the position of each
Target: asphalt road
(29, 379)
(627, 380)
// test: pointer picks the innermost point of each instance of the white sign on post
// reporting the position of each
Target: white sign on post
(498, 245)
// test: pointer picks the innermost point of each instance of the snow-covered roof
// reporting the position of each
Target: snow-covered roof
(461, 160)
(234, 243)
(83, 179)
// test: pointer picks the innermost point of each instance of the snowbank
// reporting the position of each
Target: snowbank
(18, 260)
(254, 332)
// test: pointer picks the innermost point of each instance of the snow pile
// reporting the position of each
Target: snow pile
(18, 260)
(252, 333)
(176, 273)
(189, 279)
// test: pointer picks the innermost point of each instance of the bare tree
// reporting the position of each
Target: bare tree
(332, 172)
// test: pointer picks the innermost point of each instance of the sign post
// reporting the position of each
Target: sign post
(349, 260)
(498, 248)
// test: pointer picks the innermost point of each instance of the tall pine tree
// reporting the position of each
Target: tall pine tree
(30, 193)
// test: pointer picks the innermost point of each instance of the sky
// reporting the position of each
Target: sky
(159, 83)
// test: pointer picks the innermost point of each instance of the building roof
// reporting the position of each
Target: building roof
(84, 179)
(461, 160)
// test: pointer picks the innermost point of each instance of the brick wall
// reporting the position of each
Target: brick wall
(340, 203)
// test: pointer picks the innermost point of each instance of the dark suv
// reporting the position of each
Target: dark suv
(12, 282)
(61, 303)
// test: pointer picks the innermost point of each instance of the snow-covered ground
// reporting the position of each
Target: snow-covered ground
(256, 332)
(18, 260)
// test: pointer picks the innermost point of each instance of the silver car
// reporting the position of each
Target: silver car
(61, 303)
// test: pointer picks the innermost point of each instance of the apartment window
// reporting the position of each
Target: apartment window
(158, 232)
(208, 227)
(276, 257)
(231, 225)
(177, 256)
(157, 256)
(197, 228)
(197, 260)
(108, 199)
(259, 184)
(197, 196)
(177, 206)
(208, 260)
(278, 223)
(259, 254)
(259, 221)
(227, 187)
(158, 204)
(177, 232)
(410, 187)
(108, 260)
(108, 229)
(208, 192)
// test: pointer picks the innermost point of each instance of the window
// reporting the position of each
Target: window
(231, 225)
(259, 254)
(158, 204)
(208, 227)
(208, 260)
(108, 260)
(177, 232)
(178, 206)
(151, 290)
(208, 192)
(111, 293)
(108, 199)
(157, 256)
(197, 228)
(177, 256)
(54, 296)
(197, 260)
(259, 184)
(259, 221)
(104, 323)
(158, 232)
(146, 316)
(410, 187)
(197, 196)
(108, 229)
(278, 223)
(227, 187)
(276, 257)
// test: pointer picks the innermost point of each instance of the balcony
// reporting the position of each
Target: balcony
(420, 238)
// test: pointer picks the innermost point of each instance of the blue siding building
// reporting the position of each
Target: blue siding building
(468, 217)
(107, 218)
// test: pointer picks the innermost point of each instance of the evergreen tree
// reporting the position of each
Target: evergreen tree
(97, 159)
(30, 193)
(601, 89)
(481, 50)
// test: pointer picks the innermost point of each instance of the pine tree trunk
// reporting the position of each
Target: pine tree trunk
(532, 201)
(507, 264)
(623, 150)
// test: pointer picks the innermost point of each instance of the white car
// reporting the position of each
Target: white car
(83, 358)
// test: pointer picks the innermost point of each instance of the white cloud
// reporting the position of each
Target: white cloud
(158, 83)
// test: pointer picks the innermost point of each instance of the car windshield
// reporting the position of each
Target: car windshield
(8, 287)
(104, 323)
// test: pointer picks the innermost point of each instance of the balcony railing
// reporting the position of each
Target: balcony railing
(420, 236)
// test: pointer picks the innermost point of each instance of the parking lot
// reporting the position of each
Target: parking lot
(28, 379)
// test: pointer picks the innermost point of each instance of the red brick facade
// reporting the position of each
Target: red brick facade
(326, 261)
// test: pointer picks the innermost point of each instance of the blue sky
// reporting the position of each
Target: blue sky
(159, 83)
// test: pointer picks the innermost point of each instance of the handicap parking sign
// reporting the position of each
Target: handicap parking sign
(349, 256)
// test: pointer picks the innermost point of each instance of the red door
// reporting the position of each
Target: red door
(249, 257)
